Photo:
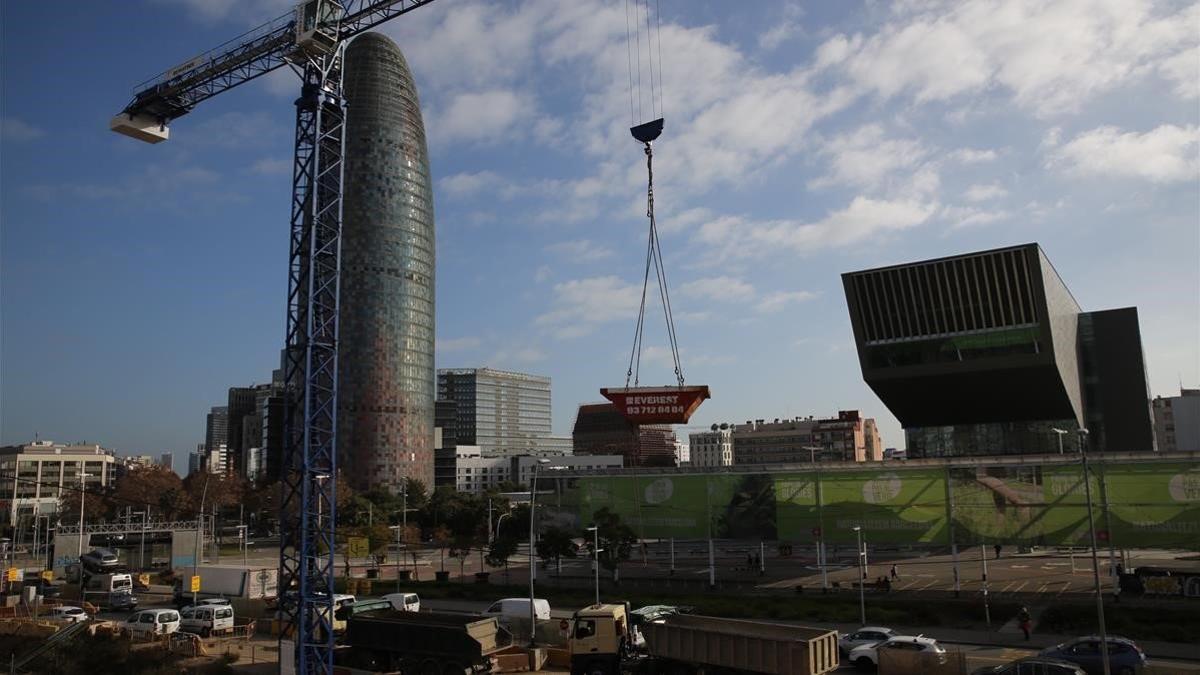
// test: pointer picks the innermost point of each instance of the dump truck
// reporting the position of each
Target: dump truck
(379, 638)
(602, 643)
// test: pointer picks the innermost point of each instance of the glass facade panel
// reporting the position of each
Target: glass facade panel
(385, 360)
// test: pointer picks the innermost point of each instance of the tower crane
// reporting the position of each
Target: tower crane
(310, 40)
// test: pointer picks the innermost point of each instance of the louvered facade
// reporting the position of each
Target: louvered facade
(980, 353)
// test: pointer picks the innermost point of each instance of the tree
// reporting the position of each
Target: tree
(460, 548)
(616, 540)
(158, 486)
(555, 544)
(96, 505)
(500, 551)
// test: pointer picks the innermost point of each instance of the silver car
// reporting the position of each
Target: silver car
(866, 635)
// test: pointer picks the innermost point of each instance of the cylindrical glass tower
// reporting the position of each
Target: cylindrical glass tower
(385, 359)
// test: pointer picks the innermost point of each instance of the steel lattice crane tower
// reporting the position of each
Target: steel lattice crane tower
(310, 40)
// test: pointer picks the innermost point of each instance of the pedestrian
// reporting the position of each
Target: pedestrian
(997, 547)
(895, 573)
(1026, 621)
(887, 585)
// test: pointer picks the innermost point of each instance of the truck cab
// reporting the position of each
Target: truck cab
(600, 637)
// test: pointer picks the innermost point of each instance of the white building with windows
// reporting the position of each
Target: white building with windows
(712, 448)
(477, 473)
(34, 476)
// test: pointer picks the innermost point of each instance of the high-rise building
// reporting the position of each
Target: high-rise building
(987, 353)
(240, 406)
(385, 351)
(445, 428)
(1177, 421)
(713, 447)
(167, 459)
(601, 430)
(504, 413)
(196, 460)
(216, 428)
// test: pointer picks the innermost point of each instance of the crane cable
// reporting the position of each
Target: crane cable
(654, 255)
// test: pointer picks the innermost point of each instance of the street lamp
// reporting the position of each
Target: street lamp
(595, 530)
(142, 553)
(82, 492)
(821, 557)
(1060, 433)
(862, 601)
(199, 529)
(532, 507)
(1087, 488)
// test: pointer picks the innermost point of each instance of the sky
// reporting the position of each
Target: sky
(803, 140)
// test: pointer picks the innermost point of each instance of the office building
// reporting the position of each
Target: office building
(987, 353)
(713, 447)
(552, 446)
(1177, 421)
(167, 460)
(502, 412)
(873, 443)
(444, 442)
(197, 459)
(216, 428)
(477, 472)
(33, 476)
(601, 430)
(385, 357)
(683, 454)
(805, 439)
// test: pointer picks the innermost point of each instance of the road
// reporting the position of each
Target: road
(977, 655)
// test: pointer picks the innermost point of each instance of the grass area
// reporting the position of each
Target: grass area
(817, 608)
(1164, 624)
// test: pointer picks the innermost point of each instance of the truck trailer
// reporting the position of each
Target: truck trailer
(230, 582)
(379, 638)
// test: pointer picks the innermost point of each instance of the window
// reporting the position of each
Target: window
(188, 614)
(225, 613)
(146, 618)
(585, 629)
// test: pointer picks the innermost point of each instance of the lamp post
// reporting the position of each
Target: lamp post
(862, 599)
(532, 508)
(595, 530)
(821, 562)
(1087, 488)
(142, 544)
(1060, 433)
(82, 492)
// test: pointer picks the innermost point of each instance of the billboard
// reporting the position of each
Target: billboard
(1134, 505)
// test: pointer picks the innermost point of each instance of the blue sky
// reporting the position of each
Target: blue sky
(138, 282)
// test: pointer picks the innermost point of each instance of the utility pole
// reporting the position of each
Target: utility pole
(862, 559)
(987, 615)
(82, 492)
(1087, 487)
(199, 530)
(489, 539)
(595, 530)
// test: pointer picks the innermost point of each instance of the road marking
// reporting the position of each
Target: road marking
(1018, 588)
(929, 584)
(1018, 567)
(1043, 588)
(907, 586)
(1007, 586)
(1066, 585)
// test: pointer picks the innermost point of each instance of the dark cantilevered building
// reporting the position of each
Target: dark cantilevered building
(987, 353)
(385, 358)
(600, 429)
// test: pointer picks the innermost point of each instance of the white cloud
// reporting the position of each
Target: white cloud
(983, 193)
(966, 216)
(521, 355)
(542, 273)
(678, 222)
(719, 289)
(580, 251)
(865, 158)
(1051, 57)
(1166, 154)
(457, 344)
(863, 219)
(1183, 70)
(469, 184)
(271, 166)
(13, 129)
(972, 156)
(580, 305)
(486, 116)
(773, 302)
(784, 28)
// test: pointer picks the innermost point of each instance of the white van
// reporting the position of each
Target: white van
(518, 608)
(150, 622)
(340, 600)
(206, 620)
(404, 602)
(109, 583)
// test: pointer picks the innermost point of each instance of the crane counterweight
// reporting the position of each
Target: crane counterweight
(142, 127)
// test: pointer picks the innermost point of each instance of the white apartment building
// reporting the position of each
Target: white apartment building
(42, 469)
(477, 473)
(713, 447)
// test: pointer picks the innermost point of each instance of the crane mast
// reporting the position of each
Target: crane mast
(311, 41)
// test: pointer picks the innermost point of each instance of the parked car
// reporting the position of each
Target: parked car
(404, 602)
(207, 602)
(867, 635)
(1124, 656)
(149, 622)
(518, 608)
(866, 657)
(68, 614)
(206, 620)
(1032, 665)
(99, 560)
